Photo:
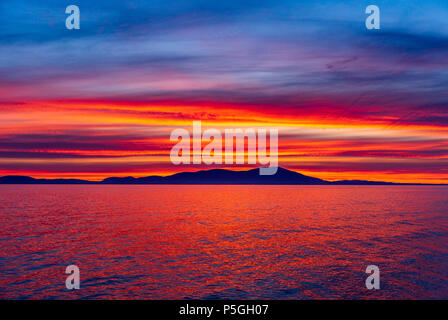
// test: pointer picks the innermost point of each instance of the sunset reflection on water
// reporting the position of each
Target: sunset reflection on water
(223, 242)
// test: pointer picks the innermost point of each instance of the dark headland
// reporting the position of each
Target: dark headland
(214, 176)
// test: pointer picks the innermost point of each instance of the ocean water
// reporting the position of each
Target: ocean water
(223, 242)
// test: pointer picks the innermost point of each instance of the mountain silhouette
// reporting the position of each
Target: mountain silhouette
(29, 180)
(213, 176)
(222, 176)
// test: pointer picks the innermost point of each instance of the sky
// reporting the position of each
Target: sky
(349, 103)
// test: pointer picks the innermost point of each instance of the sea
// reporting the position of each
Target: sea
(223, 241)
